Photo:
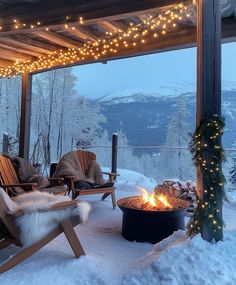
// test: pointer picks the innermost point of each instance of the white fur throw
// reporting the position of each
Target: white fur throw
(36, 225)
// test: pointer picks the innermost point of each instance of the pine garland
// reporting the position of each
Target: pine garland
(209, 155)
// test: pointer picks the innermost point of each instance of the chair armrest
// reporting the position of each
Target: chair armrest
(111, 173)
(55, 179)
(54, 207)
(60, 206)
(71, 177)
(19, 185)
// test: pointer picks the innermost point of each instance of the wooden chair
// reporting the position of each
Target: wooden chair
(11, 234)
(10, 182)
(85, 158)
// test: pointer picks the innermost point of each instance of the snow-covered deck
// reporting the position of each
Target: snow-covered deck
(110, 259)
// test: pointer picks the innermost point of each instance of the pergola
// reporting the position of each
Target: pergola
(39, 35)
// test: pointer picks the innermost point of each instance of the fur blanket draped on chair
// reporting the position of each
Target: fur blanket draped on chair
(69, 165)
(34, 225)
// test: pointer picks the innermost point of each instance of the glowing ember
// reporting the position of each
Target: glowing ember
(154, 200)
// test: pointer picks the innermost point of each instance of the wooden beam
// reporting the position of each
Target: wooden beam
(4, 62)
(40, 45)
(26, 98)
(112, 26)
(12, 55)
(13, 45)
(58, 39)
(22, 46)
(208, 85)
(54, 12)
(180, 38)
(82, 33)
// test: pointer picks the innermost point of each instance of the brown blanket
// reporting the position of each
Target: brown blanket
(69, 165)
(26, 172)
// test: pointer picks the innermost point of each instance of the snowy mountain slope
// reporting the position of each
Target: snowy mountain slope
(144, 116)
(164, 92)
(135, 95)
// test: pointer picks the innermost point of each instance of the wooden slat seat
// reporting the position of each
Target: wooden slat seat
(85, 158)
(10, 234)
(10, 182)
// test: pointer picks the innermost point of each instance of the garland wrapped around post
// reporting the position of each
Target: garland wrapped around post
(208, 156)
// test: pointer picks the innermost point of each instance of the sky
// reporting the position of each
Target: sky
(147, 72)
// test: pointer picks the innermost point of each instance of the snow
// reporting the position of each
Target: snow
(110, 259)
(135, 95)
(174, 90)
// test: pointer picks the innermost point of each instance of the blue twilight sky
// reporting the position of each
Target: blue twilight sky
(147, 72)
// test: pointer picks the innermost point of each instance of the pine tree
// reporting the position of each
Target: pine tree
(176, 162)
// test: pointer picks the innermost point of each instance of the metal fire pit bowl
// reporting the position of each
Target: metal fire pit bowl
(151, 226)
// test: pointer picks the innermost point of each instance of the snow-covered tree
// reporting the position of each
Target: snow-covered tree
(10, 98)
(175, 161)
(232, 167)
(61, 119)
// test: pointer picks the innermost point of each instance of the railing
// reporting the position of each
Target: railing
(161, 162)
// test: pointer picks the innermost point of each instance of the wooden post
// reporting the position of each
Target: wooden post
(5, 143)
(24, 142)
(114, 153)
(208, 74)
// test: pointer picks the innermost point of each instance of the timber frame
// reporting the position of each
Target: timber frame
(31, 29)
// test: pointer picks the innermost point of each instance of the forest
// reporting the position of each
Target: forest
(62, 120)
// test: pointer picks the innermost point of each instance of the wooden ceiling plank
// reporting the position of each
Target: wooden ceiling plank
(57, 38)
(12, 55)
(81, 33)
(178, 39)
(4, 62)
(20, 47)
(53, 13)
(111, 26)
(45, 47)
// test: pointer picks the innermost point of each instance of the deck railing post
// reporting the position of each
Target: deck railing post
(24, 142)
(208, 76)
(114, 153)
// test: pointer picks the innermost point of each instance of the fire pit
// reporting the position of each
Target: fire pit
(151, 217)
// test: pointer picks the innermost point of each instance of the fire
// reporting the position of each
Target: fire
(162, 198)
(155, 200)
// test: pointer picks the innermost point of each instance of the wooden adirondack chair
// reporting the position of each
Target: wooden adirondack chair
(9, 180)
(11, 234)
(85, 157)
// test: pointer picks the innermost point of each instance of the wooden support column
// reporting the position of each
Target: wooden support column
(24, 142)
(208, 74)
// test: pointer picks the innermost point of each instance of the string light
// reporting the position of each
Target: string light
(111, 43)
(209, 159)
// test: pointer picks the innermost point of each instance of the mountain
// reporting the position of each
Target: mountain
(144, 116)
(134, 95)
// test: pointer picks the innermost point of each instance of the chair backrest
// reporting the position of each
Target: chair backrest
(8, 227)
(7, 172)
(85, 157)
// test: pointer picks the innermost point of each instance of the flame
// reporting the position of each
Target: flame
(151, 199)
(145, 195)
(162, 198)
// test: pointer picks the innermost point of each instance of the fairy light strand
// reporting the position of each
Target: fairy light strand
(209, 155)
(111, 43)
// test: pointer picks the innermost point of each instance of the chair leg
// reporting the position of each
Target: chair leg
(104, 196)
(16, 259)
(113, 197)
(72, 238)
(28, 251)
(4, 243)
